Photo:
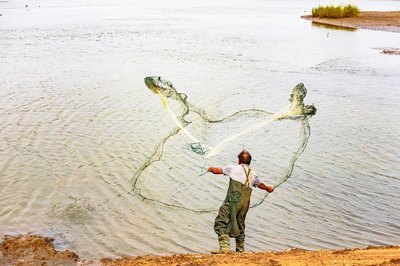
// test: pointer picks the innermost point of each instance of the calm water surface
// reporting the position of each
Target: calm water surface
(77, 122)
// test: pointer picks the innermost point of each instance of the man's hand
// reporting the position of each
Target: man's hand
(214, 170)
(269, 189)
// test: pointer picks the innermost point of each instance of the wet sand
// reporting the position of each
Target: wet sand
(372, 20)
(36, 250)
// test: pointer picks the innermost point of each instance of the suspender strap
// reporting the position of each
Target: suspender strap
(248, 176)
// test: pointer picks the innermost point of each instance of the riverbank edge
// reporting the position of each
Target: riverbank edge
(38, 250)
(372, 20)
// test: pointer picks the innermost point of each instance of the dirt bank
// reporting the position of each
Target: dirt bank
(36, 250)
(369, 256)
(372, 20)
(33, 250)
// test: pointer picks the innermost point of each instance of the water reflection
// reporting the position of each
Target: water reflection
(332, 27)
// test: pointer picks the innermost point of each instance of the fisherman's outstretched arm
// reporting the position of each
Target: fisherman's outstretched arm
(215, 170)
(262, 186)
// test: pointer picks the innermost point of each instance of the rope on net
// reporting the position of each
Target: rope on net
(201, 149)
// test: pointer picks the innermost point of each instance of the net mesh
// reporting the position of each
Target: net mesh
(166, 92)
(197, 147)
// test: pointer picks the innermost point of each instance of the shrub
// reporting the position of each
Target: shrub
(341, 11)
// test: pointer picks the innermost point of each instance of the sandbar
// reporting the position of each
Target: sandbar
(371, 20)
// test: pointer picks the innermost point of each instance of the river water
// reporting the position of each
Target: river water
(77, 122)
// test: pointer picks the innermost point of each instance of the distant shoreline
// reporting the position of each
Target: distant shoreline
(371, 20)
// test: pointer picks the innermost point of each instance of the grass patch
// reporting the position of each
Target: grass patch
(341, 11)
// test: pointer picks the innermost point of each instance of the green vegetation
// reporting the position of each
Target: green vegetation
(341, 11)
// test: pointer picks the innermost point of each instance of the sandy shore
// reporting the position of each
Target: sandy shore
(369, 256)
(37, 250)
(372, 20)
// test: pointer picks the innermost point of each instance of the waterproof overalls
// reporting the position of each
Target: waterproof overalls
(230, 221)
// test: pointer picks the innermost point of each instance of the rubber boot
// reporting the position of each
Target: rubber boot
(239, 246)
(224, 245)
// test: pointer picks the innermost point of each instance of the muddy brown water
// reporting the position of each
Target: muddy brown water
(77, 122)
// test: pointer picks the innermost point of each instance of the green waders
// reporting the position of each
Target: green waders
(230, 221)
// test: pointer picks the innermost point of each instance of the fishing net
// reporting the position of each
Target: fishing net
(197, 147)
(178, 183)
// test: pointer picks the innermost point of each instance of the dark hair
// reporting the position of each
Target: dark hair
(244, 157)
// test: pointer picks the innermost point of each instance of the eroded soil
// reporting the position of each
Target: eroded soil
(33, 250)
(37, 250)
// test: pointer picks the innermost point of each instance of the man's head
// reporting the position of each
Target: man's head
(244, 157)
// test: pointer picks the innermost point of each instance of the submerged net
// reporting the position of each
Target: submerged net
(204, 151)
(198, 148)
